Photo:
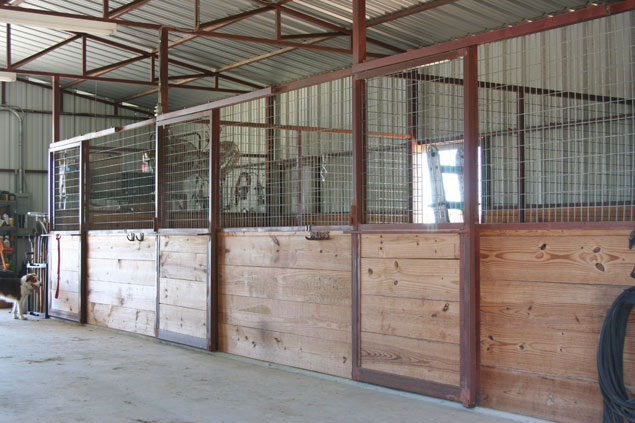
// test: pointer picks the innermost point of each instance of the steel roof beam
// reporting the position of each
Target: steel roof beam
(39, 54)
(126, 8)
(407, 12)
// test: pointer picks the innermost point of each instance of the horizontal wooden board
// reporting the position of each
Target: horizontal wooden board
(484, 231)
(411, 318)
(410, 246)
(189, 294)
(305, 285)
(67, 301)
(69, 281)
(542, 396)
(140, 297)
(557, 352)
(421, 359)
(122, 318)
(182, 244)
(304, 352)
(547, 305)
(326, 322)
(285, 250)
(118, 247)
(186, 321)
(591, 260)
(122, 271)
(411, 278)
(185, 266)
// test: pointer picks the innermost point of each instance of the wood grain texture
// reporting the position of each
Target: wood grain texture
(69, 281)
(411, 246)
(428, 360)
(188, 294)
(573, 259)
(285, 250)
(118, 247)
(185, 266)
(67, 301)
(140, 297)
(122, 318)
(411, 278)
(308, 286)
(181, 244)
(183, 320)
(288, 349)
(411, 318)
(122, 271)
(325, 322)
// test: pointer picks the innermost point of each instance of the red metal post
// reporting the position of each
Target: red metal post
(106, 8)
(358, 41)
(56, 109)
(9, 66)
(469, 297)
(278, 24)
(84, 55)
(212, 302)
(163, 71)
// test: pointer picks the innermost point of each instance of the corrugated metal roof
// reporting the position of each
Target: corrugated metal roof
(443, 23)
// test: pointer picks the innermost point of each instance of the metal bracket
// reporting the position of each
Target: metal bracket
(130, 237)
(140, 237)
(317, 236)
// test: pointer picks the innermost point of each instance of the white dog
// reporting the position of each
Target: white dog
(16, 290)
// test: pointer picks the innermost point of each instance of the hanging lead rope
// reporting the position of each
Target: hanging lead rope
(57, 290)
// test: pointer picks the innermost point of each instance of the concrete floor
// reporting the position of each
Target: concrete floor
(61, 372)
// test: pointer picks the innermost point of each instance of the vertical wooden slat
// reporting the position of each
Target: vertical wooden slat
(469, 240)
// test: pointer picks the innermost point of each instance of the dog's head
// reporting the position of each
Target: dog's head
(32, 281)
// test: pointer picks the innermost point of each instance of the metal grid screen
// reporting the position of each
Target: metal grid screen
(287, 160)
(556, 125)
(66, 189)
(122, 181)
(186, 149)
(414, 146)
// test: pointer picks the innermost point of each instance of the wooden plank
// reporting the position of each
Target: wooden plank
(69, 282)
(67, 301)
(411, 278)
(139, 297)
(183, 320)
(184, 266)
(592, 260)
(118, 247)
(484, 231)
(122, 271)
(180, 244)
(411, 318)
(518, 345)
(122, 318)
(189, 294)
(288, 349)
(309, 286)
(69, 261)
(284, 250)
(410, 246)
(326, 322)
(429, 360)
(543, 396)
(548, 305)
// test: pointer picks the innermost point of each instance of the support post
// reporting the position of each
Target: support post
(84, 187)
(84, 55)
(9, 66)
(469, 297)
(358, 41)
(163, 71)
(214, 213)
(56, 95)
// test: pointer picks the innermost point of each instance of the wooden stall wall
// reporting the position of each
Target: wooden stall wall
(183, 289)
(67, 303)
(410, 305)
(544, 297)
(122, 283)
(286, 300)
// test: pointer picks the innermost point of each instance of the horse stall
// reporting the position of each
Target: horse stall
(453, 221)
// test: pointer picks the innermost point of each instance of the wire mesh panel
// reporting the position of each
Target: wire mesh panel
(186, 149)
(414, 145)
(66, 166)
(556, 125)
(286, 160)
(122, 180)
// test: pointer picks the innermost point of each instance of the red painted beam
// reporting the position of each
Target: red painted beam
(163, 71)
(126, 8)
(56, 108)
(9, 46)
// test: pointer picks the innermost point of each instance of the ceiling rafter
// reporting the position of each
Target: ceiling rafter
(41, 53)
(126, 8)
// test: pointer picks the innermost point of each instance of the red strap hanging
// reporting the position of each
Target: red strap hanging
(57, 290)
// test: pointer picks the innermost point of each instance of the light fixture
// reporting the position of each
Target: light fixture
(7, 76)
(57, 22)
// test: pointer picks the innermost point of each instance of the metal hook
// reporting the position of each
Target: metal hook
(140, 237)
(130, 237)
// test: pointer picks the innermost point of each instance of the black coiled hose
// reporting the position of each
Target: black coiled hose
(617, 407)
